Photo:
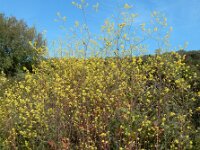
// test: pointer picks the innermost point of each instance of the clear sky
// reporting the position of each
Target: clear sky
(182, 15)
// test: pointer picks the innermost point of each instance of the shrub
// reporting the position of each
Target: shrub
(123, 103)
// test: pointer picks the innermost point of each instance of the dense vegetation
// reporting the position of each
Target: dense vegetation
(109, 100)
(16, 51)
(114, 103)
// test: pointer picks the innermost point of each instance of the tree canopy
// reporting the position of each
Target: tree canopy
(16, 51)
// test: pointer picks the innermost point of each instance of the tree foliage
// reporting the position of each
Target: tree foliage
(16, 51)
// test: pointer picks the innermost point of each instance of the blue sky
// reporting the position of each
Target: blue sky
(182, 15)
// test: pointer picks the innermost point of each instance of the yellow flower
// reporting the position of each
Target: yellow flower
(176, 141)
(155, 29)
(127, 6)
(122, 25)
(172, 114)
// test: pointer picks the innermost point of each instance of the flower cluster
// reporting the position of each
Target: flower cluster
(114, 103)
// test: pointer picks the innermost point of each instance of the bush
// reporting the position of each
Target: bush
(96, 103)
